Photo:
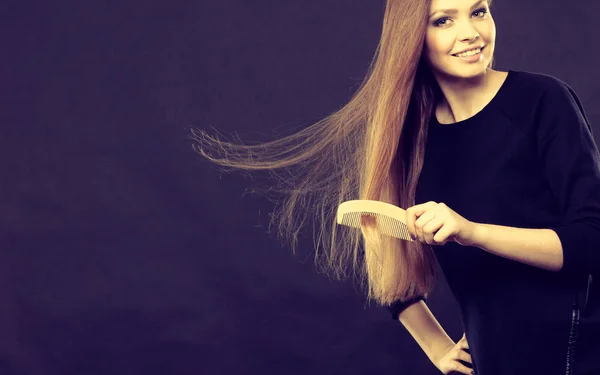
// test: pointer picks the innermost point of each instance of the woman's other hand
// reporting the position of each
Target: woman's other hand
(449, 362)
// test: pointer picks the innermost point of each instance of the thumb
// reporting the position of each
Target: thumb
(420, 209)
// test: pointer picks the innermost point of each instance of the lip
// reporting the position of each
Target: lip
(467, 50)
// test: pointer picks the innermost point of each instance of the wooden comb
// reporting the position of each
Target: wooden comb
(390, 219)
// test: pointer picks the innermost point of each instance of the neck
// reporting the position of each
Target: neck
(464, 97)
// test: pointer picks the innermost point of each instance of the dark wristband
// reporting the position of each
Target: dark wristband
(397, 307)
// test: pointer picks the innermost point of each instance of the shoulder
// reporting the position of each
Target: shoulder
(540, 85)
(543, 101)
(533, 95)
(533, 101)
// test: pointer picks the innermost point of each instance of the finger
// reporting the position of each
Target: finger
(443, 235)
(421, 222)
(413, 213)
(420, 209)
(464, 356)
(456, 367)
(431, 229)
(459, 367)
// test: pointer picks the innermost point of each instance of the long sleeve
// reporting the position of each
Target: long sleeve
(397, 307)
(571, 164)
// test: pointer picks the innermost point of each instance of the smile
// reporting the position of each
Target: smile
(470, 53)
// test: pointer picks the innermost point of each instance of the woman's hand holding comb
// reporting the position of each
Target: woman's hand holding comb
(436, 223)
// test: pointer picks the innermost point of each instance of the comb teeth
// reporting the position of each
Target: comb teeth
(385, 224)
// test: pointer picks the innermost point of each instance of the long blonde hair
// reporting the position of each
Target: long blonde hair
(372, 148)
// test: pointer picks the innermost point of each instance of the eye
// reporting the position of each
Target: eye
(439, 21)
(482, 10)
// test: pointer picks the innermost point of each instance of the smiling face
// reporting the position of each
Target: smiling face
(454, 26)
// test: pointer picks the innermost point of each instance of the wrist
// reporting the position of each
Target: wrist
(479, 235)
(440, 350)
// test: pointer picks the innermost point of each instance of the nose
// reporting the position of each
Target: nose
(467, 32)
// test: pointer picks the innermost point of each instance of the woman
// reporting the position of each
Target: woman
(506, 177)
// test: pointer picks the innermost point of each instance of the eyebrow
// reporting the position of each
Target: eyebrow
(454, 11)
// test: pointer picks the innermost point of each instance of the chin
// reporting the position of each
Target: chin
(464, 71)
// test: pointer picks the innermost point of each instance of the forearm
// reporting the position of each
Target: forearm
(426, 330)
(536, 247)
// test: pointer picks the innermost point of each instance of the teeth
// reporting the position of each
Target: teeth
(470, 53)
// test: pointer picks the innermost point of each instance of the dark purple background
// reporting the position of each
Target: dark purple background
(122, 252)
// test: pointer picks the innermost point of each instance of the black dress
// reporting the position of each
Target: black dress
(528, 160)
